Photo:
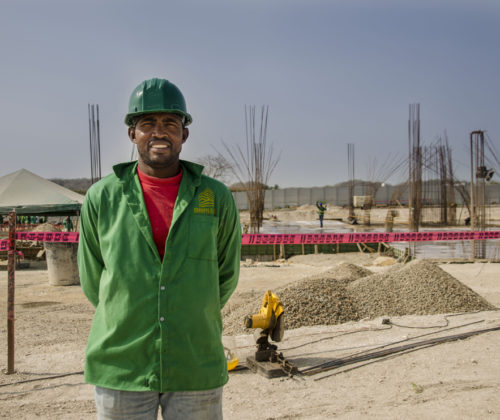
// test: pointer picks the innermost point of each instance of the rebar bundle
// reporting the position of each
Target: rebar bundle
(95, 143)
(437, 205)
(477, 190)
(254, 166)
(414, 168)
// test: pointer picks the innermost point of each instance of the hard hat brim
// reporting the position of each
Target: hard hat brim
(129, 118)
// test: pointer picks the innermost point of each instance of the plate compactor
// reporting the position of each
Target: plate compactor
(269, 322)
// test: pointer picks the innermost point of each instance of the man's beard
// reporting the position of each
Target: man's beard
(159, 162)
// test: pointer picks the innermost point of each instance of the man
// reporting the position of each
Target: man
(68, 224)
(159, 256)
(321, 212)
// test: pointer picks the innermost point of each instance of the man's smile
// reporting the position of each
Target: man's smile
(159, 145)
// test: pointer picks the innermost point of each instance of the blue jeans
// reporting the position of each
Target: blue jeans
(185, 405)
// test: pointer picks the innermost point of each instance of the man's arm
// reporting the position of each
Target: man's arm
(90, 264)
(229, 250)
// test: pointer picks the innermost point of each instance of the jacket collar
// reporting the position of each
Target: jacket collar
(127, 170)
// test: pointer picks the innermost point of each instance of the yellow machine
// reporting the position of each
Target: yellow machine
(269, 322)
(232, 360)
(270, 319)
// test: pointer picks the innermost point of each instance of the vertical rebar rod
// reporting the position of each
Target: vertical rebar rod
(98, 172)
(472, 204)
(410, 167)
(95, 143)
(11, 267)
(480, 196)
(472, 194)
(94, 177)
(90, 144)
(451, 189)
(350, 165)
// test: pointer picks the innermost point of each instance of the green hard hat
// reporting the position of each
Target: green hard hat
(156, 95)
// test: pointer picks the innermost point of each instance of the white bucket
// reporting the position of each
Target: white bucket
(61, 263)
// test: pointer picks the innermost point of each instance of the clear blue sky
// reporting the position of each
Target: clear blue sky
(332, 72)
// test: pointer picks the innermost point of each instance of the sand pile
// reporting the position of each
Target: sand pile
(349, 293)
(47, 227)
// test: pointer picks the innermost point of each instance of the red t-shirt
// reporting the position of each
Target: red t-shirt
(160, 195)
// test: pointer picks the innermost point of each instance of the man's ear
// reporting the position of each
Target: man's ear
(131, 134)
(185, 134)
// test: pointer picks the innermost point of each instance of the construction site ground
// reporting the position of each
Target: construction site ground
(377, 215)
(459, 379)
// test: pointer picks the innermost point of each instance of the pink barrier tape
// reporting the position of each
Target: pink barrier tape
(307, 238)
(373, 237)
(66, 237)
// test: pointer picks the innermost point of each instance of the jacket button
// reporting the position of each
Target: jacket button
(162, 319)
(162, 287)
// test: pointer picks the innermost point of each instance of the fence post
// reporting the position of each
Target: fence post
(11, 267)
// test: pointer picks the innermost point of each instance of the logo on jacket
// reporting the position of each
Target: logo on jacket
(206, 200)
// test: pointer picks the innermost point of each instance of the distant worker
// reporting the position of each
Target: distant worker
(68, 224)
(159, 257)
(321, 212)
(352, 220)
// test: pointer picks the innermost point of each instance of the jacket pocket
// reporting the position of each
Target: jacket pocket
(202, 244)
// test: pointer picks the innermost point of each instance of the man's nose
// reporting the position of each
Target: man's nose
(159, 130)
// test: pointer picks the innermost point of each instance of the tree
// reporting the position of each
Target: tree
(216, 166)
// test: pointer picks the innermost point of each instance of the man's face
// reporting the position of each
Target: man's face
(159, 138)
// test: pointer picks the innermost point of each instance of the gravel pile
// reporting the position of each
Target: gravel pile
(325, 292)
(418, 288)
(343, 271)
(350, 293)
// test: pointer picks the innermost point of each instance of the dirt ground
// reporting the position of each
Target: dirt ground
(459, 379)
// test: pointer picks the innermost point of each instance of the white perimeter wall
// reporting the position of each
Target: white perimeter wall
(339, 196)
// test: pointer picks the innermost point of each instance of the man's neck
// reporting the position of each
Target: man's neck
(163, 172)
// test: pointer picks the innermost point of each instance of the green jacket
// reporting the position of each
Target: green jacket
(157, 325)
